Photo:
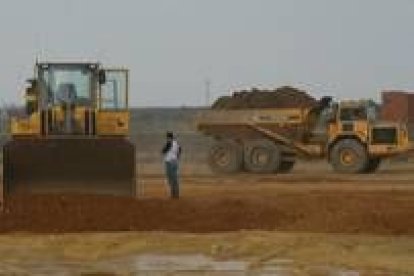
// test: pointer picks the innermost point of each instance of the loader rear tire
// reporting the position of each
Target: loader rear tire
(349, 156)
(262, 156)
(226, 156)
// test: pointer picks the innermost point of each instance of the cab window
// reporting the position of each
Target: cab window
(353, 114)
(113, 94)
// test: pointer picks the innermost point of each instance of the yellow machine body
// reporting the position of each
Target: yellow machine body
(108, 123)
(323, 131)
(364, 127)
(74, 135)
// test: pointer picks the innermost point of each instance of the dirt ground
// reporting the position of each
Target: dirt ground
(313, 217)
(165, 253)
(321, 203)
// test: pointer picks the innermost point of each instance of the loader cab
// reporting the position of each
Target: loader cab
(67, 97)
(75, 99)
(84, 85)
(113, 91)
(73, 84)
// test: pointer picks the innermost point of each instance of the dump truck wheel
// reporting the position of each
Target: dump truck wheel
(262, 156)
(226, 156)
(349, 156)
(286, 166)
(373, 165)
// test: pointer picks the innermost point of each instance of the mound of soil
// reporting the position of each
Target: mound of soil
(331, 212)
(282, 97)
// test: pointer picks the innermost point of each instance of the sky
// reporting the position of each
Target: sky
(347, 49)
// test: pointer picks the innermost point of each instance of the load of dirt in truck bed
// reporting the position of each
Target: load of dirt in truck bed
(374, 212)
(282, 97)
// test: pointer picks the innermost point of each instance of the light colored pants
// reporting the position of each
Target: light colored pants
(171, 170)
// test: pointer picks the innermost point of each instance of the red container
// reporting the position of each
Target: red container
(397, 106)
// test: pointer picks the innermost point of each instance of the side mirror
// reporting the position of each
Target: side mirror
(31, 96)
(102, 77)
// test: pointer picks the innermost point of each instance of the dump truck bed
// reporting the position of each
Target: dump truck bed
(288, 121)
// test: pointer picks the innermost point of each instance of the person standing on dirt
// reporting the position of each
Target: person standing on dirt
(171, 152)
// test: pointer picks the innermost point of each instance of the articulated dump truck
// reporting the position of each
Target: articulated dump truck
(73, 136)
(269, 140)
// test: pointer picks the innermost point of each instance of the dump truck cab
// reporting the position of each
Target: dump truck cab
(356, 133)
(73, 135)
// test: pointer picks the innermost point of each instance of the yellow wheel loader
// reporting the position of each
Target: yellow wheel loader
(73, 137)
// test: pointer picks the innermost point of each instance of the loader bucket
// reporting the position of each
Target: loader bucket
(56, 165)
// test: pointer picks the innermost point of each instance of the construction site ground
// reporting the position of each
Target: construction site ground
(308, 222)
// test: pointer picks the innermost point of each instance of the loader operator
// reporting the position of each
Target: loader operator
(171, 152)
